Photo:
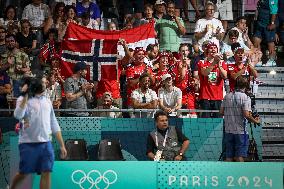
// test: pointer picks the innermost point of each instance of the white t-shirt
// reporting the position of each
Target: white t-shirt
(170, 98)
(213, 25)
(149, 96)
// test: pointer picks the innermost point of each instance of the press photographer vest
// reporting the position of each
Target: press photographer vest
(168, 144)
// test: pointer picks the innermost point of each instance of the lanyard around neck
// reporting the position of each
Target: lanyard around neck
(165, 139)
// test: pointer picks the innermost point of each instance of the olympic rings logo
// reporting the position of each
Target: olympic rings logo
(94, 177)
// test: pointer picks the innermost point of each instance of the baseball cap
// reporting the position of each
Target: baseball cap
(107, 96)
(80, 66)
(166, 76)
(160, 2)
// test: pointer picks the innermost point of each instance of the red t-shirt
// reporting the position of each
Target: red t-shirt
(233, 68)
(211, 86)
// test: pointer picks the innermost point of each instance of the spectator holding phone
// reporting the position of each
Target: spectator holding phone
(212, 72)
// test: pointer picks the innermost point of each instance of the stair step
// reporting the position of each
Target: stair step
(263, 88)
(278, 82)
(278, 102)
(270, 76)
(273, 150)
(271, 94)
(268, 69)
(272, 119)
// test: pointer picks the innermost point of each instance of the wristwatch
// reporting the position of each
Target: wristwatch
(181, 154)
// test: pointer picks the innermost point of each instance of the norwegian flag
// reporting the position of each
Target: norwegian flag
(99, 54)
(99, 49)
(47, 50)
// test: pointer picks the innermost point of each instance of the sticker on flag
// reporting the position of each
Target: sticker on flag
(100, 49)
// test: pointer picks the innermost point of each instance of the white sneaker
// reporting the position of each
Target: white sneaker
(270, 63)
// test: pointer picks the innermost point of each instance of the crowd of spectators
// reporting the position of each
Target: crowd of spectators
(169, 74)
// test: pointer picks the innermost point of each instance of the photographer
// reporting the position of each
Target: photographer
(37, 124)
(78, 90)
(236, 109)
(166, 143)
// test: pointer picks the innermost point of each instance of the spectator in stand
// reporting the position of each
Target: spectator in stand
(170, 97)
(208, 28)
(53, 90)
(226, 49)
(224, 11)
(26, 38)
(241, 67)
(169, 29)
(13, 29)
(107, 104)
(87, 21)
(70, 16)
(16, 63)
(212, 72)
(148, 14)
(57, 19)
(185, 53)
(265, 27)
(2, 39)
(242, 29)
(90, 7)
(185, 81)
(37, 13)
(5, 89)
(199, 57)
(55, 69)
(135, 70)
(161, 68)
(78, 91)
(111, 26)
(48, 50)
(160, 9)
(144, 97)
(129, 22)
(243, 38)
(10, 16)
(152, 52)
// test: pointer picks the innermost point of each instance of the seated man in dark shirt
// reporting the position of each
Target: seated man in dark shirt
(166, 142)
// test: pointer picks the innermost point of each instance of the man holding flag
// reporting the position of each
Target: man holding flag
(100, 51)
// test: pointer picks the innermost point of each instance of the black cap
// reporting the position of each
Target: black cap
(80, 66)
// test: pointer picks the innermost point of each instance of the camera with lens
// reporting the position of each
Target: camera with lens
(254, 112)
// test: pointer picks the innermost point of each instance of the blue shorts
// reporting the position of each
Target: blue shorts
(236, 145)
(36, 157)
(262, 33)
